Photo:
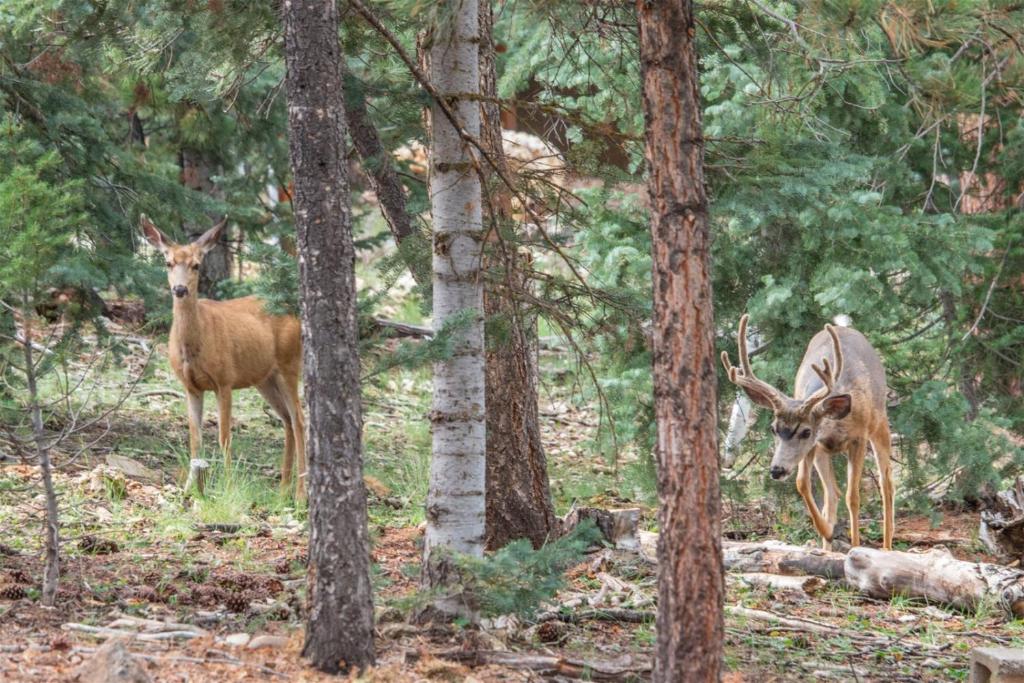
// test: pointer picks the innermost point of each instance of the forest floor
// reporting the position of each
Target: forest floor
(228, 572)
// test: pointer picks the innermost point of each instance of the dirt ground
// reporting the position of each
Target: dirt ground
(194, 579)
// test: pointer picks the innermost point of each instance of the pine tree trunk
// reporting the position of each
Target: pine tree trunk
(690, 574)
(196, 174)
(518, 494)
(455, 498)
(339, 635)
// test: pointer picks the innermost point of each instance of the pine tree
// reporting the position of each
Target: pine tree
(690, 571)
(339, 636)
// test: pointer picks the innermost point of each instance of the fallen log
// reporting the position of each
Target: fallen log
(774, 557)
(935, 576)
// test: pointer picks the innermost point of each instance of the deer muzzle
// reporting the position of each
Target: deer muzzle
(180, 291)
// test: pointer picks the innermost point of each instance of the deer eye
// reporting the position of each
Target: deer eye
(806, 434)
(170, 264)
(194, 266)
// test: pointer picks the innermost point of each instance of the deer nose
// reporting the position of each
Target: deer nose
(777, 472)
(180, 291)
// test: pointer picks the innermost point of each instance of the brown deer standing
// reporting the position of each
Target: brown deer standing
(839, 406)
(221, 346)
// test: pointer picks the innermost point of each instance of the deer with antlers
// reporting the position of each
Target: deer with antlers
(221, 346)
(838, 406)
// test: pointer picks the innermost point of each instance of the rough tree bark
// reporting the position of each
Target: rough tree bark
(518, 493)
(339, 635)
(455, 498)
(690, 574)
(197, 170)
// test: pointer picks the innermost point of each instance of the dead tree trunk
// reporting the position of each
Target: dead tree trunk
(197, 170)
(339, 635)
(518, 493)
(690, 575)
(385, 183)
(935, 576)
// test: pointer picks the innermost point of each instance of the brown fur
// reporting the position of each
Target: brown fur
(221, 346)
(840, 396)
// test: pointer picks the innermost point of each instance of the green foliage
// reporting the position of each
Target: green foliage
(517, 578)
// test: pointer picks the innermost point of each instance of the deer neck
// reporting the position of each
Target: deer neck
(185, 328)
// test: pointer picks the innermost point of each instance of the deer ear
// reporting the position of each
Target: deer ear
(153, 234)
(208, 240)
(760, 398)
(836, 406)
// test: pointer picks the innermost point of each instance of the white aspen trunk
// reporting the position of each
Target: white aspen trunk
(741, 420)
(455, 499)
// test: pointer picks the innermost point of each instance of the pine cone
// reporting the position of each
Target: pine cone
(146, 593)
(98, 546)
(284, 566)
(12, 593)
(237, 602)
(552, 632)
(19, 576)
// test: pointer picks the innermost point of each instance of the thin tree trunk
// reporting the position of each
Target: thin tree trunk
(690, 574)
(196, 174)
(455, 498)
(51, 526)
(339, 635)
(385, 182)
(518, 494)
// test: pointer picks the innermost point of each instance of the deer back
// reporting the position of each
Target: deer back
(863, 377)
(234, 344)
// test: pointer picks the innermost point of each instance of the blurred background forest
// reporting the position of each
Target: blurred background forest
(863, 159)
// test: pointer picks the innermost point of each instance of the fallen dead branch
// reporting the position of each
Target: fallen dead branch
(630, 616)
(621, 669)
(104, 632)
(805, 584)
(113, 632)
(221, 658)
(798, 623)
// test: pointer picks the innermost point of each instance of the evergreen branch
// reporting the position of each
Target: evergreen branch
(472, 140)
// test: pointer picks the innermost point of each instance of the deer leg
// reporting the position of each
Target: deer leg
(224, 423)
(803, 485)
(854, 472)
(195, 423)
(823, 465)
(277, 401)
(881, 444)
(299, 429)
